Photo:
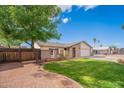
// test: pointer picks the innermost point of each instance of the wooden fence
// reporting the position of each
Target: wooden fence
(19, 54)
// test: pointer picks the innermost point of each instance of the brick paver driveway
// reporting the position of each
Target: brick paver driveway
(30, 75)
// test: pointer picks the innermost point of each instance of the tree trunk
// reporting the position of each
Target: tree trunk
(34, 52)
(32, 44)
(8, 45)
(94, 44)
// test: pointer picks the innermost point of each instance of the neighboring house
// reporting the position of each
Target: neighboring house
(71, 50)
(101, 50)
(105, 50)
(121, 51)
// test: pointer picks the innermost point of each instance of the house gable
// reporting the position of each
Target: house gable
(84, 46)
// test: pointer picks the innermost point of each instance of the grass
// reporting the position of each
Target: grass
(90, 73)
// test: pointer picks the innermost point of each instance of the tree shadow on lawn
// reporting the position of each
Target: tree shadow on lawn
(91, 73)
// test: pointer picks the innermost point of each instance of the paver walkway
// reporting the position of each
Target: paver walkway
(18, 75)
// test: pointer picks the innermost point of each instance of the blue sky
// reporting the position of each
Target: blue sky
(86, 22)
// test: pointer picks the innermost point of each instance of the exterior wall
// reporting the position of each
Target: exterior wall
(77, 51)
(36, 46)
(57, 52)
(87, 51)
(121, 51)
(66, 52)
(61, 51)
(102, 51)
(106, 51)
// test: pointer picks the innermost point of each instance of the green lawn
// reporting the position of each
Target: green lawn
(90, 73)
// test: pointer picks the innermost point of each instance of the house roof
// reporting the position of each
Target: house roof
(100, 48)
(56, 44)
(122, 49)
(50, 44)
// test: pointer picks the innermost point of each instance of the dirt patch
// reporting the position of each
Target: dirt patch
(38, 75)
(18, 75)
(51, 76)
(66, 82)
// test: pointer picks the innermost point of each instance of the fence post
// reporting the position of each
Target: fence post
(20, 58)
(39, 54)
(36, 56)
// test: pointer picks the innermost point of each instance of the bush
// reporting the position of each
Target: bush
(121, 61)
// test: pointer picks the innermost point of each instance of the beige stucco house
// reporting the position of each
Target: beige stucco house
(70, 50)
(105, 50)
(101, 50)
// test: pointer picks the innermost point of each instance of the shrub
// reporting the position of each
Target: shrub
(121, 61)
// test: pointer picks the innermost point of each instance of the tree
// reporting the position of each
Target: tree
(94, 40)
(112, 47)
(10, 42)
(101, 45)
(7, 28)
(30, 23)
(122, 26)
(36, 23)
(98, 42)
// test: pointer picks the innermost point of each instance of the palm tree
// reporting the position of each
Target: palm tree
(112, 47)
(101, 45)
(98, 42)
(94, 40)
(122, 26)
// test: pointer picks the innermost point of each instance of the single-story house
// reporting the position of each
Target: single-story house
(101, 50)
(70, 50)
(121, 51)
(105, 50)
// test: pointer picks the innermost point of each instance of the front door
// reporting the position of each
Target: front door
(73, 52)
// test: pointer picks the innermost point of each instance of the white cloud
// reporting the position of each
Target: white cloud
(65, 8)
(65, 20)
(68, 8)
(88, 7)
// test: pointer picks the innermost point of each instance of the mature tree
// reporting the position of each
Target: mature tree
(29, 23)
(94, 40)
(36, 22)
(10, 42)
(113, 46)
(7, 28)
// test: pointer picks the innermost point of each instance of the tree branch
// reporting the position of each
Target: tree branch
(28, 43)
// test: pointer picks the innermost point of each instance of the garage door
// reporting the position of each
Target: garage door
(85, 52)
